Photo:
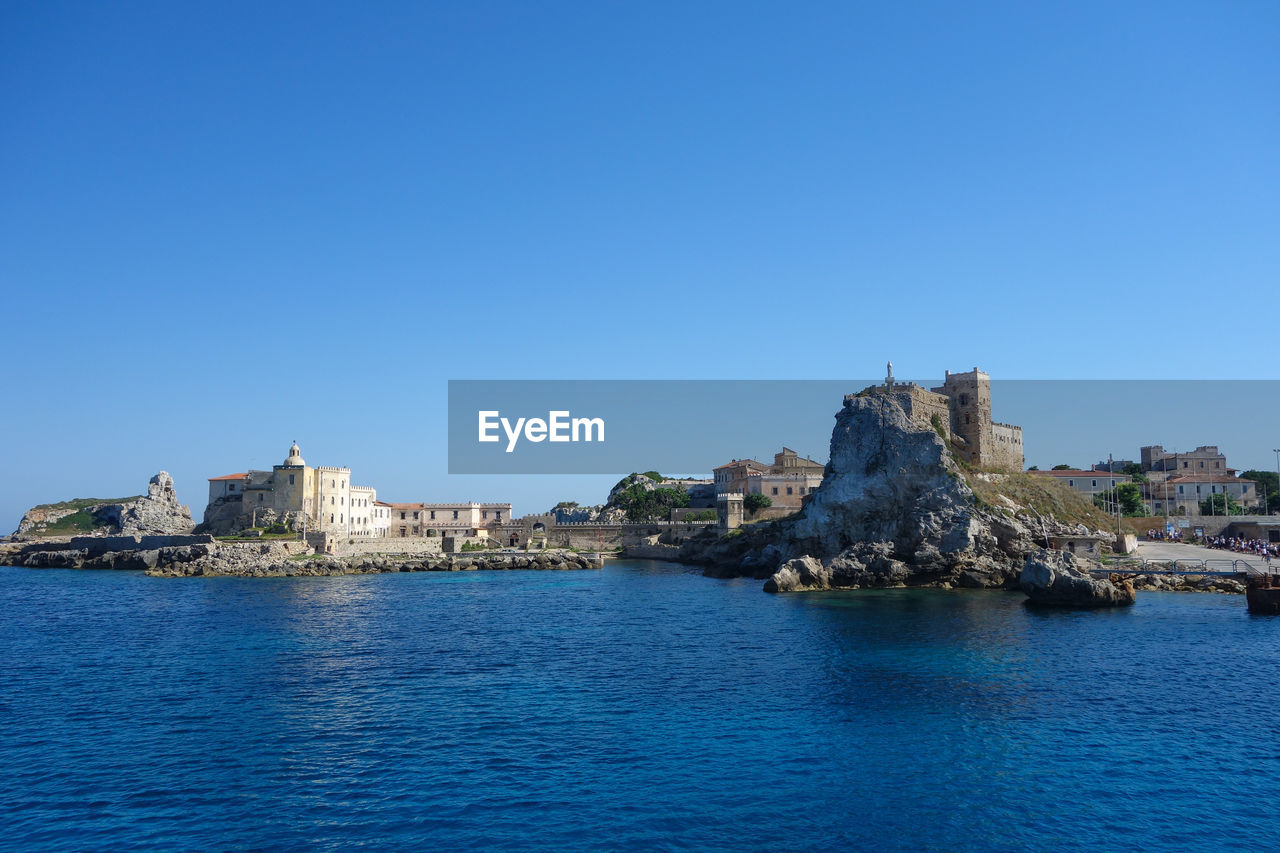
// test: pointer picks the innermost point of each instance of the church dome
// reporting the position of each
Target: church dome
(295, 457)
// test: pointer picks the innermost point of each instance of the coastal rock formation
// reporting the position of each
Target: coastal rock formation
(802, 573)
(202, 555)
(251, 561)
(155, 513)
(159, 513)
(1061, 579)
(895, 508)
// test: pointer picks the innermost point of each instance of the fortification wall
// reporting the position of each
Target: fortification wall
(389, 545)
(1007, 447)
(98, 545)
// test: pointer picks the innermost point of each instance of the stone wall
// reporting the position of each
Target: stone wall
(96, 545)
(1006, 442)
(389, 545)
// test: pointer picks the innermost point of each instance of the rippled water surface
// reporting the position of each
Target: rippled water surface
(642, 706)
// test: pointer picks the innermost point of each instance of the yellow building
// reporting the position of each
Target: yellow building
(321, 498)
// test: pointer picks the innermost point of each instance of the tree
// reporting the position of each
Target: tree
(1214, 505)
(1062, 467)
(642, 505)
(1034, 468)
(1268, 484)
(754, 503)
(1130, 497)
(1133, 469)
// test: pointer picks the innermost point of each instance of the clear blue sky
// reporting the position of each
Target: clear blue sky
(225, 226)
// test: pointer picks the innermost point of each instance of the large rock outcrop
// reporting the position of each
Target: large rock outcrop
(1060, 579)
(894, 509)
(158, 513)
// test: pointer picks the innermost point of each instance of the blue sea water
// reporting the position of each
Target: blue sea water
(639, 707)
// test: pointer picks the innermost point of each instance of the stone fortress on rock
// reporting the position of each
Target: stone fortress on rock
(959, 411)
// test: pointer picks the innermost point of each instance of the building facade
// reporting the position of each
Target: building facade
(789, 470)
(1158, 464)
(1181, 494)
(1086, 482)
(320, 498)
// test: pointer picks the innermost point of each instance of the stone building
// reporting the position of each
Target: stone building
(321, 498)
(1158, 464)
(785, 490)
(1089, 483)
(1181, 494)
(960, 411)
(790, 467)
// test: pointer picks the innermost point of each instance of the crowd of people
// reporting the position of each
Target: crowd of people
(1256, 547)
(1240, 545)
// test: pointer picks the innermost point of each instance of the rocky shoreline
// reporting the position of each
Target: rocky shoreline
(323, 566)
(203, 556)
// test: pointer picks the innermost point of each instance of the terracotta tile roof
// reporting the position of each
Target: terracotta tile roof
(1076, 472)
(229, 477)
(405, 506)
(735, 463)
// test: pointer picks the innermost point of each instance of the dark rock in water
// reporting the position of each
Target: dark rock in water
(1061, 579)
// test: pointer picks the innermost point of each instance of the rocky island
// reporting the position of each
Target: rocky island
(899, 507)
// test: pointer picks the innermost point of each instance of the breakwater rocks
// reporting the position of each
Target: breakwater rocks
(224, 563)
(1059, 579)
(1188, 583)
(202, 556)
(108, 552)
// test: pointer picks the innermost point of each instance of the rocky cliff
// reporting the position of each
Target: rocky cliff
(895, 508)
(155, 513)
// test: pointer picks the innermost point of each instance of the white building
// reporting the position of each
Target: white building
(1086, 482)
(1182, 494)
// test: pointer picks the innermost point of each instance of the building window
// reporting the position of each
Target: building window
(415, 516)
(497, 516)
(455, 514)
(775, 490)
(331, 518)
(290, 479)
(402, 516)
(231, 487)
(789, 490)
(1095, 483)
(1071, 483)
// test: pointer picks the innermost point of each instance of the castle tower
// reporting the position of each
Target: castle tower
(970, 398)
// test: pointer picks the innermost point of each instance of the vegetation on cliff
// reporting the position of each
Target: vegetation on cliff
(1009, 494)
(67, 518)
